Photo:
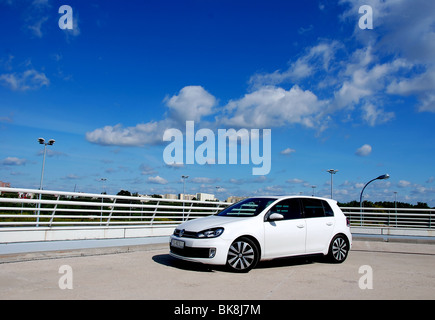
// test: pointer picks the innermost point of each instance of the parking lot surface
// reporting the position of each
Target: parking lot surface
(373, 270)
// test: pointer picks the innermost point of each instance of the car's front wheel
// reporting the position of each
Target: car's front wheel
(338, 249)
(243, 255)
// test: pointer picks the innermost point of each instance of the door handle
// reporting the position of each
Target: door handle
(329, 223)
(300, 226)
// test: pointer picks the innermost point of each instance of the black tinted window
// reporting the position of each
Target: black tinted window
(288, 208)
(315, 208)
(327, 208)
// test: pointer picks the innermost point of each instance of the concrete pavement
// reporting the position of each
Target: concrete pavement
(393, 270)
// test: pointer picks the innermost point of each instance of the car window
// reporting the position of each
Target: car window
(247, 208)
(328, 209)
(316, 208)
(289, 208)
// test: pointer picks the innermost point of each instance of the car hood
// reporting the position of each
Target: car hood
(208, 222)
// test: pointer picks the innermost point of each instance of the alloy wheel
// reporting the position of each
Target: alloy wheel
(242, 255)
(339, 249)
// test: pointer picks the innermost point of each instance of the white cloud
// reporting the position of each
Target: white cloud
(364, 80)
(407, 28)
(287, 151)
(139, 135)
(205, 180)
(13, 161)
(23, 81)
(270, 107)
(71, 176)
(316, 58)
(146, 169)
(422, 85)
(295, 181)
(374, 116)
(157, 180)
(192, 103)
(36, 27)
(364, 151)
(403, 184)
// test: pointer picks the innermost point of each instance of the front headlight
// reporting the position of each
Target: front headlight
(210, 233)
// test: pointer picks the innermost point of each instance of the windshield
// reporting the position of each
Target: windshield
(247, 208)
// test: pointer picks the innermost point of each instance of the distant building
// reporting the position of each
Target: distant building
(234, 199)
(5, 184)
(205, 197)
(186, 196)
(170, 196)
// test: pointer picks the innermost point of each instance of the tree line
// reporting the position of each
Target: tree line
(386, 204)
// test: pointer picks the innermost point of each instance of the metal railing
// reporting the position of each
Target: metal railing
(23, 208)
(390, 217)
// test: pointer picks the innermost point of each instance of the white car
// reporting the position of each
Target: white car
(265, 228)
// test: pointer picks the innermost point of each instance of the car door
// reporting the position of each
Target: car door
(284, 237)
(320, 222)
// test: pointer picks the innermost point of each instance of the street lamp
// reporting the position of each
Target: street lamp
(103, 180)
(331, 171)
(49, 143)
(184, 185)
(382, 177)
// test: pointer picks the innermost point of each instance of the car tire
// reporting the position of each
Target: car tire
(338, 249)
(243, 255)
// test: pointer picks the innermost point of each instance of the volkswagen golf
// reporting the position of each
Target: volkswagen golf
(265, 228)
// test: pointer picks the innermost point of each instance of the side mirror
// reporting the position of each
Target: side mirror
(276, 216)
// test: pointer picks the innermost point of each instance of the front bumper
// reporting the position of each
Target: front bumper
(207, 251)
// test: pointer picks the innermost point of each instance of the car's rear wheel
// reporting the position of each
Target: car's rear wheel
(243, 255)
(338, 249)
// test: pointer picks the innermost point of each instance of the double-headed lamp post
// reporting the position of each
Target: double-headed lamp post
(332, 171)
(382, 177)
(184, 187)
(49, 143)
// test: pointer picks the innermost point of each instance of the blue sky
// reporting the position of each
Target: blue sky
(334, 95)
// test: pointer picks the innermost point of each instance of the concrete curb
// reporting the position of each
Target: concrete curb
(73, 253)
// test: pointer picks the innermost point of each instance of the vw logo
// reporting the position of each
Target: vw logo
(181, 232)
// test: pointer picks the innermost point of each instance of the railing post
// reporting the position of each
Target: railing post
(101, 214)
(155, 212)
(190, 210)
(54, 211)
(111, 211)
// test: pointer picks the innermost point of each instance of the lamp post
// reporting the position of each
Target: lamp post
(103, 180)
(395, 204)
(49, 143)
(184, 185)
(332, 171)
(382, 177)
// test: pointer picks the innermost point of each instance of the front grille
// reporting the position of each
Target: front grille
(190, 252)
(186, 234)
